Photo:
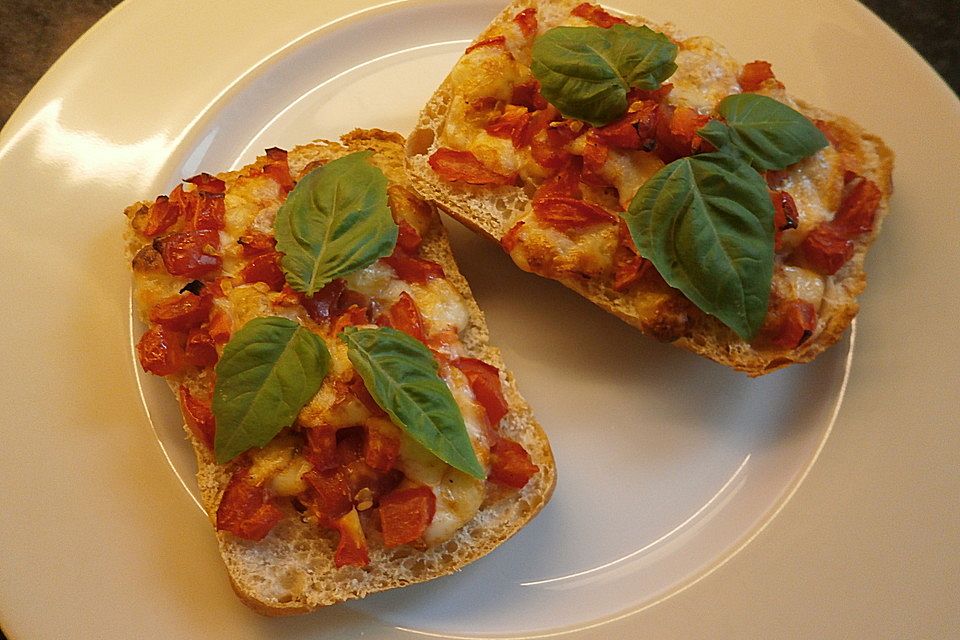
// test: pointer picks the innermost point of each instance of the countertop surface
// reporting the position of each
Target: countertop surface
(34, 33)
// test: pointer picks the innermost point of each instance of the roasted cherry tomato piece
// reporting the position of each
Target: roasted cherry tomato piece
(484, 381)
(596, 15)
(405, 514)
(755, 74)
(510, 464)
(321, 447)
(826, 249)
(192, 254)
(785, 215)
(160, 351)
(569, 213)
(255, 243)
(408, 238)
(414, 270)
(329, 496)
(463, 166)
(198, 416)
(527, 21)
(183, 311)
(404, 315)
(381, 444)
(265, 268)
(796, 321)
(245, 509)
(858, 210)
(207, 183)
(495, 41)
(161, 215)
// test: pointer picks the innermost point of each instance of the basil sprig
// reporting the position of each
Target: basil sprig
(706, 224)
(268, 371)
(767, 133)
(335, 221)
(401, 375)
(586, 72)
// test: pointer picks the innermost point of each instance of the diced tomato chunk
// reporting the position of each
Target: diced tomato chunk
(789, 323)
(826, 249)
(255, 243)
(160, 351)
(596, 15)
(352, 546)
(209, 213)
(265, 268)
(527, 21)
(859, 207)
(207, 183)
(549, 147)
(513, 124)
(527, 94)
(495, 41)
(408, 238)
(785, 215)
(510, 464)
(414, 270)
(621, 134)
(404, 315)
(200, 349)
(677, 134)
(405, 514)
(484, 379)
(327, 303)
(183, 311)
(245, 509)
(192, 254)
(278, 169)
(198, 416)
(321, 447)
(755, 74)
(220, 326)
(463, 166)
(161, 215)
(381, 444)
(569, 213)
(564, 183)
(329, 495)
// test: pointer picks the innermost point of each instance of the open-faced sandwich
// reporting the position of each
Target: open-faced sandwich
(353, 429)
(674, 187)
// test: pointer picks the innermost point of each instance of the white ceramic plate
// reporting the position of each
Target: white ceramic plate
(692, 501)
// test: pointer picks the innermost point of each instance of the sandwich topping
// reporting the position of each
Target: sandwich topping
(659, 170)
(317, 353)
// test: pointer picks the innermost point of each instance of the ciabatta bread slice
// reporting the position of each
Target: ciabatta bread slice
(294, 567)
(477, 153)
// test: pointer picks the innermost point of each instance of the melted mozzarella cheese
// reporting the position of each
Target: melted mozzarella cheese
(459, 497)
(807, 285)
(378, 282)
(487, 71)
(441, 306)
(628, 170)
(705, 75)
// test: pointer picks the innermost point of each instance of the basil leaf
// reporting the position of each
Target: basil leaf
(706, 223)
(401, 375)
(335, 221)
(768, 133)
(269, 370)
(585, 72)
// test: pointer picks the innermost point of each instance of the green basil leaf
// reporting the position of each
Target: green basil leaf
(401, 375)
(706, 224)
(768, 133)
(335, 221)
(269, 370)
(585, 72)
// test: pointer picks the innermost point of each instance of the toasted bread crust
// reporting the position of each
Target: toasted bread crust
(291, 571)
(655, 311)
